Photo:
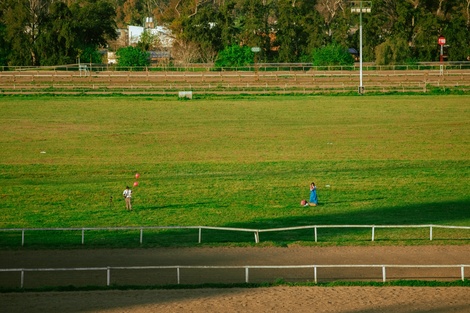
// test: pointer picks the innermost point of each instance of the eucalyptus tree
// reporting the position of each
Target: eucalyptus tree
(249, 23)
(204, 29)
(230, 25)
(290, 35)
(23, 20)
(56, 45)
(255, 25)
(336, 18)
(390, 31)
(94, 22)
(315, 27)
(40, 32)
(297, 29)
(4, 46)
(131, 12)
(455, 26)
(425, 33)
(410, 30)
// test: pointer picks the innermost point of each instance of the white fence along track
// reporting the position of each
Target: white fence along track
(256, 232)
(246, 268)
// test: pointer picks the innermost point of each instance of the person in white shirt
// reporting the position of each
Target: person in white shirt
(127, 196)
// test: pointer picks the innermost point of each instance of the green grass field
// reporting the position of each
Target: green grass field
(240, 162)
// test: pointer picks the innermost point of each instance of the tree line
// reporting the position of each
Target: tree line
(44, 32)
(48, 32)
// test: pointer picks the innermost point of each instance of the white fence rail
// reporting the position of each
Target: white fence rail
(256, 232)
(247, 269)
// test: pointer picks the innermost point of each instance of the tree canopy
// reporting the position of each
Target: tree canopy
(290, 30)
(47, 32)
(40, 32)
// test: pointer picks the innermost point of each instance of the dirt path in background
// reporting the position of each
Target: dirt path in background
(275, 299)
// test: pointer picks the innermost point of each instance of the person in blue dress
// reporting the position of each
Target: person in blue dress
(313, 201)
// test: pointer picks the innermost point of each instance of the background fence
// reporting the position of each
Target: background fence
(256, 232)
(262, 67)
(262, 79)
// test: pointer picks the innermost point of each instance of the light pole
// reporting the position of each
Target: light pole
(360, 7)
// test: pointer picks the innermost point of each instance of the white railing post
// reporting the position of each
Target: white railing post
(246, 274)
(141, 235)
(200, 235)
(22, 279)
(22, 237)
(83, 236)
(315, 231)
(462, 272)
(178, 275)
(256, 236)
(430, 232)
(315, 274)
(384, 278)
(108, 276)
(373, 233)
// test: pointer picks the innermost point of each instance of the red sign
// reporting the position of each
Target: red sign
(441, 40)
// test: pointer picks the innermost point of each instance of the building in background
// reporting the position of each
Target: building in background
(131, 36)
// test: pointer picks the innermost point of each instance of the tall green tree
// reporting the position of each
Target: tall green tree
(230, 25)
(290, 35)
(56, 45)
(95, 22)
(299, 29)
(46, 32)
(205, 30)
(390, 30)
(23, 20)
(254, 32)
(425, 33)
(314, 27)
(458, 39)
(4, 46)
(456, 29)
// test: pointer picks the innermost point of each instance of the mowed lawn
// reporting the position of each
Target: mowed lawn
(240, 162)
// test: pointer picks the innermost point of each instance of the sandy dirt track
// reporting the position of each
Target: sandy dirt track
(275, 299)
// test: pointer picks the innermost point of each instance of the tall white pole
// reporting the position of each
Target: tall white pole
(358, 6)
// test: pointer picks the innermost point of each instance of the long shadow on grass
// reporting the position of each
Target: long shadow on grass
(439, 213)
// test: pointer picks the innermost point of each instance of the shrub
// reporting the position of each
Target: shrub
(392, 51)
(132, 57)
(332, 54)
(234, 56)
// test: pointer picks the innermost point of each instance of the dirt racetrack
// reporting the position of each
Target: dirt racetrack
(229, 82)
(274, 299)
